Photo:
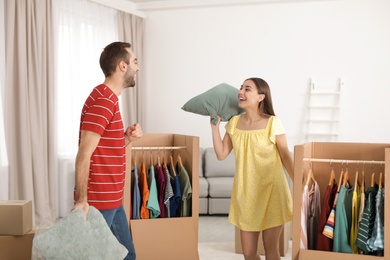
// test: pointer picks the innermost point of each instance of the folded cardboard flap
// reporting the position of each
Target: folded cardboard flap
(15, 217)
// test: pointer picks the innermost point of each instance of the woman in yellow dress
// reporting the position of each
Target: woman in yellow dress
(261, 199)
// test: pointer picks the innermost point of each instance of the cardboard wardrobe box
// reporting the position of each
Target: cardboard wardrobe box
(17, 247)
(15, 217)
(173, 238)
(321, 157)
(283, 241)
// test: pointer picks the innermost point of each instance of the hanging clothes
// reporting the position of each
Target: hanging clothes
(176, 198)
(367, 224)
(355, 218)
(304, 207)
(136, 195)
(154, 208)
(185, 189)
(144, 191)
(362, 202)
(313, 214)
(343, 216)
(330, 223)
(168, 191)
(160, 181)
(376, 242)
(324, 243)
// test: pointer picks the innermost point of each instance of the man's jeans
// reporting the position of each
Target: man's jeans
(117, 221)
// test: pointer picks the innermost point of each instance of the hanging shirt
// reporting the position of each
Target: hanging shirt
(313, 214)
(329, 226)
(376, 242)
(136, 195)
(304, 207)
(367, 224)
(160, 181)
(168, 191)
(324, 243)
(176, 198)
(343, 221)
(185, 189)
(144, 190)
(355, 219)
(154, 208)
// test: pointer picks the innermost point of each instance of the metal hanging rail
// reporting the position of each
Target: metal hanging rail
(341, 161)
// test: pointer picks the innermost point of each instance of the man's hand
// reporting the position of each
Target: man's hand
(133, 132)
(82, 205)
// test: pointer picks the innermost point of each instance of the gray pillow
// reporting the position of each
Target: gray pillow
(73, 237)
(221, 100)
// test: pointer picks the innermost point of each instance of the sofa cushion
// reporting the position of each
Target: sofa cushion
(219, 206)
(221, 100)
(203, 206)
(216, 168)
(203, 187)
(220, 187)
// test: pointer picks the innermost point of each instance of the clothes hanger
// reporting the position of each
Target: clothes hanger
(143, 156)
(372, 177)
(164, 158)
(172, 165)
(135, 158)
(151, 157)
(179, 160)
(381, 179)
(355, 188)
(332, 178)
(158, 158)
(310, 176)
(346, 177)
(363, 179)
(341, 177)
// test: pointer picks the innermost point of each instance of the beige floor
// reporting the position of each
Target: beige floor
(216, 240)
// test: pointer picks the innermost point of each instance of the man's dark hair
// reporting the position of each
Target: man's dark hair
(111, 55)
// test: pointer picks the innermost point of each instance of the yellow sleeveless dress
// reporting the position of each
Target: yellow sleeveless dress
(261, 198)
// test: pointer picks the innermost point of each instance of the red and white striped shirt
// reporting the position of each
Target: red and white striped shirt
(107, 170)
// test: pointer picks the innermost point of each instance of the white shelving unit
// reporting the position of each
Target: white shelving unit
(323, 112)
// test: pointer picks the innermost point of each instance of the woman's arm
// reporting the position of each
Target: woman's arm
(285, 155)
(223, 147)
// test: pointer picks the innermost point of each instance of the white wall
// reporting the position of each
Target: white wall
(188, 51)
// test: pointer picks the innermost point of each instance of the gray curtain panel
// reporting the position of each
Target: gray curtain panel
(29, 108)
(131, 30)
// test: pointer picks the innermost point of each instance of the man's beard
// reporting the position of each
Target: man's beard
(130, 81)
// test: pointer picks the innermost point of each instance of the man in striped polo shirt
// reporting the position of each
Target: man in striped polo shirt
(101, 157)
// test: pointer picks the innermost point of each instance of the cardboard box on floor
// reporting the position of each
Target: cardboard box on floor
(362, 152)
(17, 247)
(15, 217)
(283, 241)
(166, 238)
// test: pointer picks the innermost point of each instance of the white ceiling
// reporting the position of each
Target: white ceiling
(144, 5)
(139, 7)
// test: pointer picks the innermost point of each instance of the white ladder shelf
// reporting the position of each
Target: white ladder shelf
(323, 112)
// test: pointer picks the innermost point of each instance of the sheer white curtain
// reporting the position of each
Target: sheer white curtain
(3, 151)
(84, 29)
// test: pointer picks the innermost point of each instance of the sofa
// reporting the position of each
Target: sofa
(216, 182)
